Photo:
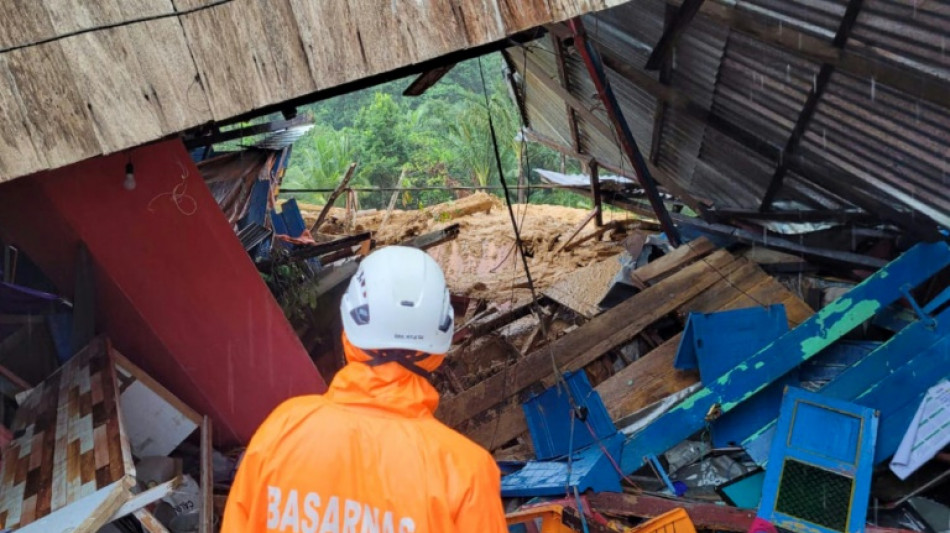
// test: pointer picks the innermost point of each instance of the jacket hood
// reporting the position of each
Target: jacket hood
(388, 387)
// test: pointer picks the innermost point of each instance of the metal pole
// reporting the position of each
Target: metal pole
(596, 69)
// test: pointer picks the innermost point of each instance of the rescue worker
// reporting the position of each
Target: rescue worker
(368, 456)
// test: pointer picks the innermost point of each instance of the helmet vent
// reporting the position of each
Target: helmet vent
(407, 303)
(446, 324)
(360, 315)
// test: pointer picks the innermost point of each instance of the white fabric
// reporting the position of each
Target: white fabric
(928, 433)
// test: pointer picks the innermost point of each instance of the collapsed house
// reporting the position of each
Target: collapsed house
(756, 340)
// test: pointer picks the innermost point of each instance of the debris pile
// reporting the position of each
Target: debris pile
(681, 394)
(482, 262)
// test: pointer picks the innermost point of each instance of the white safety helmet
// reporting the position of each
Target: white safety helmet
(398, 300)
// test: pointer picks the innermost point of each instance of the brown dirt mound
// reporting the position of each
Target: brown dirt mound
(481, 262)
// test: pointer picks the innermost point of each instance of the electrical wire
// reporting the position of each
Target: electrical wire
(518, 243)
(129, 22)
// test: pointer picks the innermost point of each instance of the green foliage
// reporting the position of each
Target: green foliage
(319, 160)
(440, 138)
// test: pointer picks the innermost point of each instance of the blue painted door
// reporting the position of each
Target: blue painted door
(819, 474)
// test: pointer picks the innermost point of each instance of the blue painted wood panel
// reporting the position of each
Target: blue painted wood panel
(892, 379)
(821, 463)
(787, 352)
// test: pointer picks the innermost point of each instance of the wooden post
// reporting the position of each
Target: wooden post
(595, 194)
(392, 199)
(206, 524)
(333, 196)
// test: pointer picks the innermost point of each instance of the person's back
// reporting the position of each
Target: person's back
(368, 456)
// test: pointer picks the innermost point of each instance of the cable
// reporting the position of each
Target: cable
(129, 22)
(570, 468)
(504, 183)
(518, 242)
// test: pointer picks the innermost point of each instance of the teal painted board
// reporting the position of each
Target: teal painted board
(900, 371)
(744, 492)
(819, 481)
(898, 396)
(788, 351)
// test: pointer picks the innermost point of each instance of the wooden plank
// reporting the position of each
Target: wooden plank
(169, 75)
(146, 497)
(18, 155)
(653, 377)
(404, 48)
(704, 515)
(43, 92)
(645, 381)
(590, 341)
(505, 424)
(582, 289)
(140, 375)
(149, 522)
(332, 60)
(85, 54)
(206, 524)
(673, 261)
(288, 56)
(332, 198)
(233, 62)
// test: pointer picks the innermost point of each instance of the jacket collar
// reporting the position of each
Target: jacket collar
(388, 387)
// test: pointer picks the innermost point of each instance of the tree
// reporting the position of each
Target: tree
(318, 161)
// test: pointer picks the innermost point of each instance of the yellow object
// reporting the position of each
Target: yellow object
(675, 521)
(546, 519)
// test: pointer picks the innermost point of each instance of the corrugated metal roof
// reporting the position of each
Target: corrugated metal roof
(738, 87)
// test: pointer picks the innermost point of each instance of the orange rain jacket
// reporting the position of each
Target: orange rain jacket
(367, 456)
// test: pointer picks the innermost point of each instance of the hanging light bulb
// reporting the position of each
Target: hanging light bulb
(129, 182)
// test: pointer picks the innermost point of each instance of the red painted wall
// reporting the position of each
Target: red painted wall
(175, 289)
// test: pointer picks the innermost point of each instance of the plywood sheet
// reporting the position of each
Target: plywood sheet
(17, 154)
(288, 57)
(72, 443)
(32, 23)
(582, 289)
(170, 76)
(332, 61)
(229, 59)
(101, 62)
(55, 112)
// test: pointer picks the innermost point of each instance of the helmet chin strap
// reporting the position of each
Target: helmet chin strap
(405, 358)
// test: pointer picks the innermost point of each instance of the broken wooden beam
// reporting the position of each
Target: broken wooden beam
(705, 516)
(590, 341)
(580, 225)
(497, 321)
(741, 284)
(433, 238)
(333, 196)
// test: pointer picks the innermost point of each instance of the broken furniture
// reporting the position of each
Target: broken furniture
(70, 465)
(574, 442)
(694, 277)
(821, 462)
